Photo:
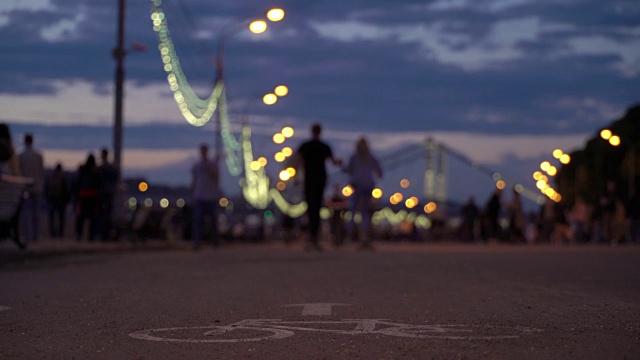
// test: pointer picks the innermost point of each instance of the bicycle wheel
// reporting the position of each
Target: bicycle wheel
(211, 334)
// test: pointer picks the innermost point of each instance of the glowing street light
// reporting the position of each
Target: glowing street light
(606, 134)
(270, 99)
(281, 90)
(258, 26)
(275, 14)
(278, 138)
(287, 131)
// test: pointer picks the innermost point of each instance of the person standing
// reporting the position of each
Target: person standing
(109, 178)
(516, 218)
(491, 214)
(470, 215)
(313, 154)
(87, 194)
(56, 191)
(31, 166)
(205, 193)
(363, 168)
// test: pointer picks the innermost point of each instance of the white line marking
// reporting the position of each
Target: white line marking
(317, 309)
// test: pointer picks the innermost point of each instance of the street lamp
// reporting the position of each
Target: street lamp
(256, 27)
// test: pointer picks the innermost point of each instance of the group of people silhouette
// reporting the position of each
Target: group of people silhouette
(90, 189)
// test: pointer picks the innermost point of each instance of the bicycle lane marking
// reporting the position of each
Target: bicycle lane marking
(278, 329)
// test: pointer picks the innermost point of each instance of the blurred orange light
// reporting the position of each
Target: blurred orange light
(347, 190)
(605, 134)
(286, 151)
(143, 186)
(430, 207)
(281, 185)
(404, 183)
(262, 161)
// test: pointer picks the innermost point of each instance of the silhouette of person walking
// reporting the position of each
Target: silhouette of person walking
(205, 192)
(32, 166)
(313, 154)
(362, 168)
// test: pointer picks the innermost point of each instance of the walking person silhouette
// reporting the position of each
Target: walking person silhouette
(313, 154)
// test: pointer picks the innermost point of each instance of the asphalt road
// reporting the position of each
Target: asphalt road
(276, 302)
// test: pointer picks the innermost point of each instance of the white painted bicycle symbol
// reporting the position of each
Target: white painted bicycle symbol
(273, 329)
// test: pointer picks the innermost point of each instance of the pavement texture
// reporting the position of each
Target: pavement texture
(160, 300)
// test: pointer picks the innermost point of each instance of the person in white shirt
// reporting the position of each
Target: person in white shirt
(205, 194)
(31, 166)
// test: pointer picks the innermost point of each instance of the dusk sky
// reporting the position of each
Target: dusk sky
(502, 81)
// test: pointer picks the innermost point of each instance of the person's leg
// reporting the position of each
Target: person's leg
(210, 209)
(196, 223)
(26, 218)
(52, 220)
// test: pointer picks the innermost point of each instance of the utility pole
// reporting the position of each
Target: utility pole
(119, 53)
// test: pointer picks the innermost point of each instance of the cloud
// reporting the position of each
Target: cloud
(441, 41)
(64, 29)
(7, 6)
(626, 52)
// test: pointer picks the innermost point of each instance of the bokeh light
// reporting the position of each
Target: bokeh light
(279, 157)
(430, 207)
(376, 193)
(278, 138)
(605, 134)
(287, 131)
(258, 26)
(614, 140)
(143, 186)
(269, 99)
(281, 90)
(275, 14)
(284, 175)
(404, 183)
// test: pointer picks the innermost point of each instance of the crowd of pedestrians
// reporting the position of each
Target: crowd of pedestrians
(610, 219)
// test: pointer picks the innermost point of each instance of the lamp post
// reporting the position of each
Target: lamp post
(118, 54)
